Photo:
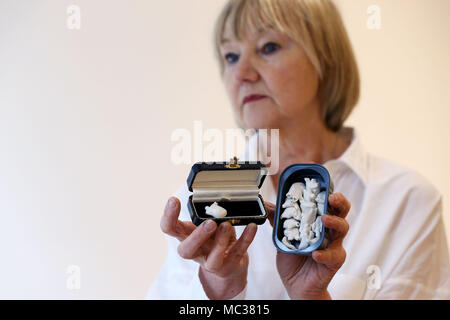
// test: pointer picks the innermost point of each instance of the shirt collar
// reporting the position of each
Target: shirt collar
(354, 157)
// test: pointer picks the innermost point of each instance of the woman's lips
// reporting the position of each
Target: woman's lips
(253, 97)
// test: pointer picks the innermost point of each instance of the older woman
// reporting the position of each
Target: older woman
(288, 64)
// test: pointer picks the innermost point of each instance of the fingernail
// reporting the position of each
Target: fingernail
(171, 203)
(209, 225)
(223, 227)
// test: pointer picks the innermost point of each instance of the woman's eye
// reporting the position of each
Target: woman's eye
(270, 47)
(231, 57)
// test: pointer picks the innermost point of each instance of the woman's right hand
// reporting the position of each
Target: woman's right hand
(223, 259)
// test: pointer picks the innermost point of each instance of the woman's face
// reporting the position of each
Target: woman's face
(269, 79)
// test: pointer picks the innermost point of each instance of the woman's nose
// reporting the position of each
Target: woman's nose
(246, 71)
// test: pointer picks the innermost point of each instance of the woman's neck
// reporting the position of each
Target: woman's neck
(309, 142)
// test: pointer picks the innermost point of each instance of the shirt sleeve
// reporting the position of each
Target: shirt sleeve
(178, 278)
(195, 289)
(422, 269)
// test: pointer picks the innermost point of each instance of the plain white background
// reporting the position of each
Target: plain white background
(86, 118)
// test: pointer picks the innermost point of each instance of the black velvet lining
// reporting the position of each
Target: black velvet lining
(247, 208)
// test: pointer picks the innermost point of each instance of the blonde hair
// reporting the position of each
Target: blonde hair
(315, 24)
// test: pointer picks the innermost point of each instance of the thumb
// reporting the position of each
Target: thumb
(270, 208)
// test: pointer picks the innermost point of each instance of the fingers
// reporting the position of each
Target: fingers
(196, 242)
(238, 250)
(270, 208)
(170, 217)
(189, 248)
(339, 204)
(171, 225)
(339, 226)
(334, 256)
(215, 258)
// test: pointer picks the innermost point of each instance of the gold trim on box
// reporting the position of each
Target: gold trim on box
(233, 164)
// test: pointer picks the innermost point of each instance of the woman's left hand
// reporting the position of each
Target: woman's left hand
(307, 277)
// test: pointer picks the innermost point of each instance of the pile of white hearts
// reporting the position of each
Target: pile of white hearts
(303, 223)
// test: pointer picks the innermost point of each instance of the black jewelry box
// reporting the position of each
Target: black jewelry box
(292, 174)
(234, 186)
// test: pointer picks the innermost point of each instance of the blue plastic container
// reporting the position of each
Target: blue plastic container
(298, 173)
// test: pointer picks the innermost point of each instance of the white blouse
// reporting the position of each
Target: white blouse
(396, 246)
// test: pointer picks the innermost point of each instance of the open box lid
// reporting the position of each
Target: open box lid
(235, 177)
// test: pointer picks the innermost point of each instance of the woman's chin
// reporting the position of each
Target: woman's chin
(255, 118)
